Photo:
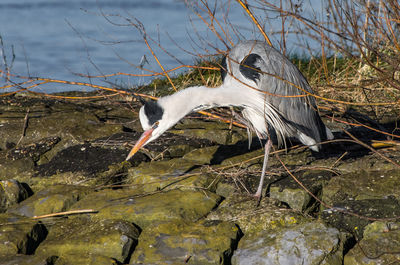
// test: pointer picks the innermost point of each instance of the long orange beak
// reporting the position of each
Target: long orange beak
(142, 140)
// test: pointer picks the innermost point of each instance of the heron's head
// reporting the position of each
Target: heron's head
(155, 120)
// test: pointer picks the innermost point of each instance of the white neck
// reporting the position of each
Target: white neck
(200, 98)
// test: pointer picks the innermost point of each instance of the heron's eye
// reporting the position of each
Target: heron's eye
(155, 125)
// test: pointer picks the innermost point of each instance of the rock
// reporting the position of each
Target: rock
(166, 147)
(370, 185)
(380, 245)
(21, 169)
(77, 125)
(287, 190)
(114, 239)
(376, 196)
(33, 150)
(216, 132)
(207, 242)
(57, 198)
(225, 189)
(357, 163)
(21, 259)
(19, 234)
(75, 259)
(70, 160)
(308, 244)
(144, 210)
(252, 219)
(201, 156)
(152, 176)
(256, 156)
(11, 192)
(362, 210)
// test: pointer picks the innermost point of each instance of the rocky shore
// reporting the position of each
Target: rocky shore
(186, 198)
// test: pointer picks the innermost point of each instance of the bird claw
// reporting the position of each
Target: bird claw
(258, 197)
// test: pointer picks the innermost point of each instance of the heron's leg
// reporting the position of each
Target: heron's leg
(266, 155)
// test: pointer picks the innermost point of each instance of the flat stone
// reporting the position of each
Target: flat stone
(380, 245)
(370, 185)
(156, 175)
(308, 244)
(87, 260)
(144, 210)
(11, 192)
(217, 132)
(82, 237)
(57, 198)
(290, 192)
(21, 259)
(366, 193)
(19, 234)
(207, 242)
(16, 169)
(165, 147)
(243, 211)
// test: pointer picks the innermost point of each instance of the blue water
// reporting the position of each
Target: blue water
(57, 39)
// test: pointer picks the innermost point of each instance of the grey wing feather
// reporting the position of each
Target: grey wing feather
(300, 112)
(277, 74)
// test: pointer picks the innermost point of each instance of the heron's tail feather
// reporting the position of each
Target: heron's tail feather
(329, 134)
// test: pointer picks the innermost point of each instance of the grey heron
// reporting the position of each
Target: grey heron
(271, 91)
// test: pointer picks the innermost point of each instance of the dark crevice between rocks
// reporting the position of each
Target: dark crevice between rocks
(27, 188)
(51, 260)
(234, 245)
(349, 244)
(128, 249)
(34, 238)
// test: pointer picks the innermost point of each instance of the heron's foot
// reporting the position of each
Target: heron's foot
(258, 197)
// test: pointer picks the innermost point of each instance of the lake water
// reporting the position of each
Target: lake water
(57, 39)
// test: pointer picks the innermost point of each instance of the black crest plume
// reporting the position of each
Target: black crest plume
(153, 111)
(248, 67)
(224, 68)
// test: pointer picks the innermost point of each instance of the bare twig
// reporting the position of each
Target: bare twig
(24, 127)
(65, 213)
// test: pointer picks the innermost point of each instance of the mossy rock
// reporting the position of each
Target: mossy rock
(76, 127)
(147, 209)
(86, 239)
(243, 211)
(287, 190)
(308, 243)
(12, 192)
(19, 234)
(75, 259)
(380, 245)
(206, 242)
(157, 175)
(57, 198)
(21, 259)
(367, 193)
(20, 169)
(364, 211)
(246, 159)
(370, 185)
(216, 132)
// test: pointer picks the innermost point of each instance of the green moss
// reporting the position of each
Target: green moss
(380, 245)
(184, 242)
(19, 234)
(143, 209)
(56, 198)
(105, 238)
